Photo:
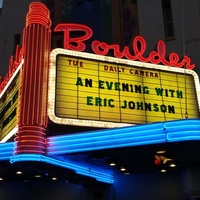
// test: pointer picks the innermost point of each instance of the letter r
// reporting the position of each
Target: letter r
(74, 43)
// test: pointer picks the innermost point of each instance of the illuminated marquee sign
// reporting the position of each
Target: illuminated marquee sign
(9, 97)
(8, 108)
(100, 91)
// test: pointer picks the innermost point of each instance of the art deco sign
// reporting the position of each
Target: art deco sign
(93, 90)
(9, 100)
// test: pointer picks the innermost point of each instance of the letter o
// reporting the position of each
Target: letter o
(163, 108)
(131, 105)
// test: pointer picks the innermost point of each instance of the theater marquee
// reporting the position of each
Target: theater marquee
(101, 91)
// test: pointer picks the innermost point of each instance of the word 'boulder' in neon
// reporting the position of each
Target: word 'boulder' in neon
(102, 48)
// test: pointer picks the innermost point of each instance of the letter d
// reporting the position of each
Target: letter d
(105, 67)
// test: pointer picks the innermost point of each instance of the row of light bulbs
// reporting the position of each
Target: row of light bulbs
(36, 176)
(122, 169)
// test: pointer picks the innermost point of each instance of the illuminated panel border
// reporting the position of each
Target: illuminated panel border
(167, 132)
(99, 174)
(80, 122)
(17, 72)
(174, 131)
(155, 133)
(12, 78)
(6, 150)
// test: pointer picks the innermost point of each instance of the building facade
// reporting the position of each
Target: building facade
(135, 18)
(113, 22)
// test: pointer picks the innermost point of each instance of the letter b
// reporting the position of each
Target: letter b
(75, 43)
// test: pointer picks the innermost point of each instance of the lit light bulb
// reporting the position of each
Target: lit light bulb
(37, 176)
(172, 165)
(123, 169)
(112, 164)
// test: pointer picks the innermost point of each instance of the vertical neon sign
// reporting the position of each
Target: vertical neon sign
(33, 95)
